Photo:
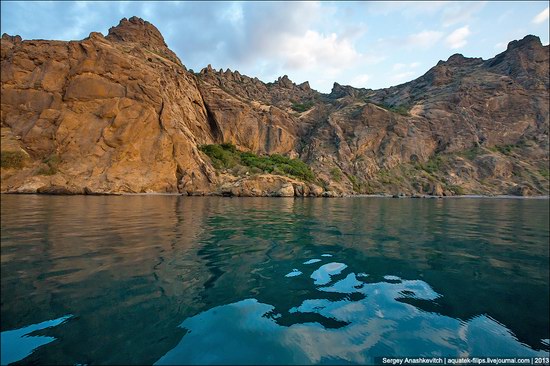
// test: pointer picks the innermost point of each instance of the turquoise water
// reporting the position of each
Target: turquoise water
(185, 280)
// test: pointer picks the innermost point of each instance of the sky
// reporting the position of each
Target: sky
(363, 44)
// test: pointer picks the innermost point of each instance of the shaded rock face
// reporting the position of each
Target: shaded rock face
(122, 114)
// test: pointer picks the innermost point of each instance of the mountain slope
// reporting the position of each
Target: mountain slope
(122, 114)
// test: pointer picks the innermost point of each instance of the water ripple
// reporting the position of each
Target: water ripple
(377, 324)
(400, 276)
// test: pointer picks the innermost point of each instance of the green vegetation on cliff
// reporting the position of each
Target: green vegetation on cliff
(399, 109)
(12, 159)
(226, 156)
(302, 107)
(49, 166)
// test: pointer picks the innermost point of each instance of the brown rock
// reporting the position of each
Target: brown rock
(493, 166)
(287, 190)
(90, 87)
(121, 114)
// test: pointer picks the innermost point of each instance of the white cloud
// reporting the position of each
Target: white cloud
(458, 12)
(457, 39)
(424, 39)
(314, 49)
(360, 80)
(542, 16)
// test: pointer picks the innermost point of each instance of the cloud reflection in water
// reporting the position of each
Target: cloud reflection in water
(17, 344)
(379, 323)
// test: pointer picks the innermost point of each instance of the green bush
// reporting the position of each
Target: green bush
(433, 165)
(12, 159)
(399, 109)
(505, 149)
(221, 158)
(229, 147)
(336, 174)
(302, 107)
(358, 185)
(458, 190)
(227, 156)
(50, 167)
(472, 153)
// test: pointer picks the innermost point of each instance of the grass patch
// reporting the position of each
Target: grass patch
(505, 149)
(399, 109)
(226, 156)
(457, 190)
(336, 174)
(433, 165)
(389, 177)
(360, 186)
(508, 148)
(302, 107)
(545, 172)
(472, 153)
(12, 159)
(50, 165)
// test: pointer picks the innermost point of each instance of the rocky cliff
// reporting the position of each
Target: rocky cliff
(121, 113)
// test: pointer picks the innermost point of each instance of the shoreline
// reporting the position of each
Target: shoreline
(387, 195)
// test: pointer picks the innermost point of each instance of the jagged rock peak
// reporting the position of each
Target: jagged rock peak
(527, 41)
(207, 69)
(135, 30)
(12, 39)
(95, 35)
(457, 57)
(460, 60)
(339, 91)
(284, 81)
(220, 74)
(305, 86)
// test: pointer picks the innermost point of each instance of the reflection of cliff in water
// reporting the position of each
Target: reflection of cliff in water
(103, 259)
(130, 269)
(480, 255)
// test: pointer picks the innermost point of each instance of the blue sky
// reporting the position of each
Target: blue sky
(363, 44)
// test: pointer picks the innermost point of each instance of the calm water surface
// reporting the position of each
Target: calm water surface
(182, 280)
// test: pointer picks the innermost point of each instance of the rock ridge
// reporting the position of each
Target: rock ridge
(122, 114)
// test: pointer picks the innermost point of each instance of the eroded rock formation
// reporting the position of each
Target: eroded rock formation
(121, 114)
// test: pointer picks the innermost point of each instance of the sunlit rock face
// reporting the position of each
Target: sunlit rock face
(117, 114)
(121, 113)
